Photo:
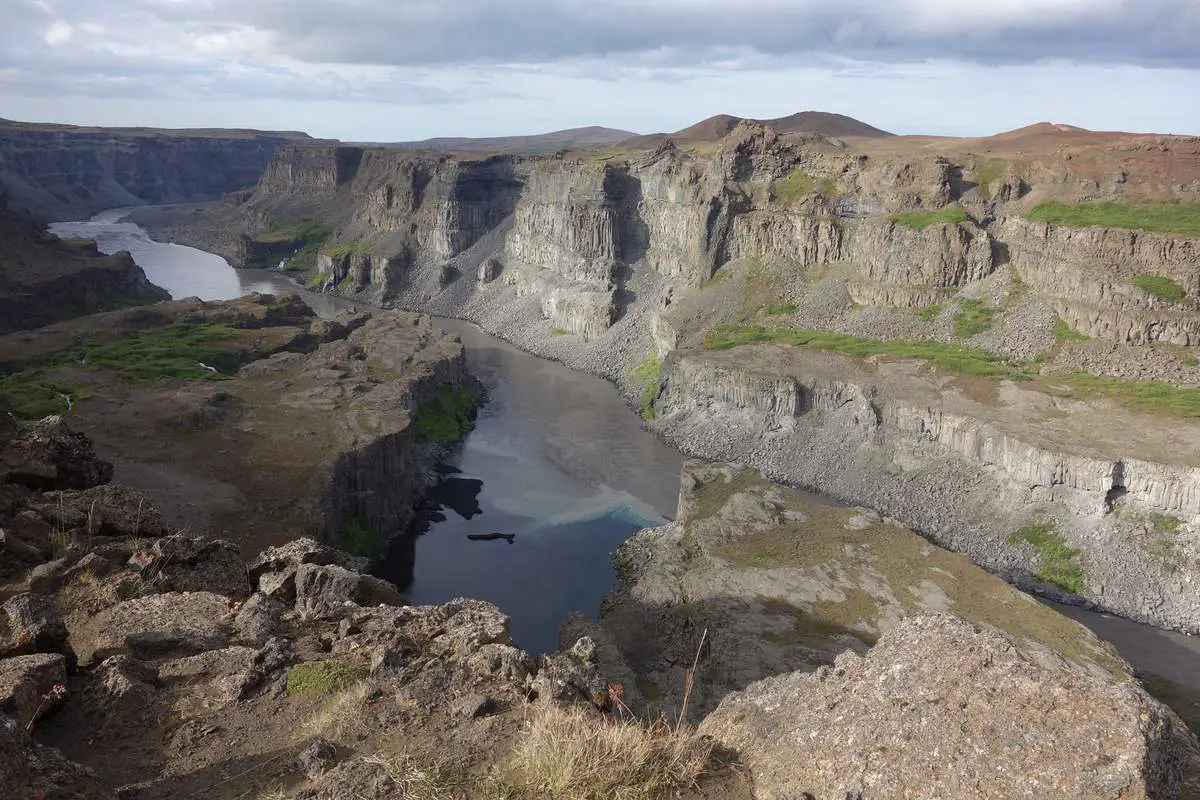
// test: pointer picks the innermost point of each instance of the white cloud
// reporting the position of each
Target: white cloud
(59, 33)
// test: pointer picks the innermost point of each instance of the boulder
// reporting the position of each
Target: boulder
(223, 674)
(31, 686)
(488, 271)
(31, 770)
(941, 708)
(258, 619)
(125, 678)
(301, 551)
(571, 676)
(321, 590)
(47, 455)
(48, 578)
(29, 527)
(16, 556)
(30, 623)
(189, 564)
(108, 510)
(159, 625)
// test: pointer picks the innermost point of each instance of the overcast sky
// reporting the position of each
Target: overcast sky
(409, 69)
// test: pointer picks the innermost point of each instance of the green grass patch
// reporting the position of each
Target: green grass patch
(988, 173)
(447, 416)
(1063, 333)
(358, 539)
(316, 282)
(972, 318)
(920, 220)
(780, 309)
(344, 249)
(1056, 561)
(323, 677)
(649, 375)
(949, 356)
(1150, 396)
(28, 395)
(929, 313)
(798, 184)
(1161, 216)
(558, 332)
(1161, 287)
(171, 352)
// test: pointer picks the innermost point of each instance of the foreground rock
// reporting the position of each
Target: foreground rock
(942, 708)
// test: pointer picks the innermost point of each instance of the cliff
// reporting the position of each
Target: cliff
(64, 172)
(44, 279)
(901, 254)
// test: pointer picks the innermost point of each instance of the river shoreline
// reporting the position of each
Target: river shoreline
(1127, 639)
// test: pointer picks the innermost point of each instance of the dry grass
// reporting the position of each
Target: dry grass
(418, 780)
(344, 716)
(577, 754)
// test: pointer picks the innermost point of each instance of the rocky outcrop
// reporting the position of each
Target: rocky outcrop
(955, 469)
(1088, 276)
(907, 268)
(63, 172)
(941, 708)
(44, 279)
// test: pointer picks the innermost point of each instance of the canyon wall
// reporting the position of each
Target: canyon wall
(64, 173)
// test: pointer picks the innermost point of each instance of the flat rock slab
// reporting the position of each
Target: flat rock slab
(176, 623)
(940, 708)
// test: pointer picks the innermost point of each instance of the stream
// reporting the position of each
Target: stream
(556, 460)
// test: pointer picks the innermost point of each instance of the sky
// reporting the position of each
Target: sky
(396, 70)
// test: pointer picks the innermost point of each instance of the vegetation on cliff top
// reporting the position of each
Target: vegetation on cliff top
(1159, 216)
(175, 351)
(1161, 287)
(988, 173)
(1056, 561)
(1063, 332)
(358, 539)
(447, 416)
(798, 184)
(307, 235)
(954, 357)
(343, 249)
(920, 220)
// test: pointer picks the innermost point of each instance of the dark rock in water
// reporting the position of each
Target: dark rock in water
(491, 537)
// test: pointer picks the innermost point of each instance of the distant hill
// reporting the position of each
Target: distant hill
(299, 137)
(716, 128)
(569, 139)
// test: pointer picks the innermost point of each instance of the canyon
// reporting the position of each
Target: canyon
(986, 399)
(693, 274)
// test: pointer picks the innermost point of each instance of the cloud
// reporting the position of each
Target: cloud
(59, 33)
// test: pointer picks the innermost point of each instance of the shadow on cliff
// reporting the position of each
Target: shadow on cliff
(624, 191)
(736, 641)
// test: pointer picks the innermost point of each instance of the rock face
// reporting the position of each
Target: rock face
(940, 708)
(63, 172)
(967, 474)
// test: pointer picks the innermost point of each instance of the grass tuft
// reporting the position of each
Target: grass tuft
(1162, 216)
(344, 249)
(1161, 287)
(1150, 396)
(649, 375)
(582, 755)
(929, 313)
(559, 332)
(972, 319)
(920, 220)
(781, 309)
(324, 677)
(343, 716)
(988, 173)
(1063, 333)
(447, 416)
(1056, 561)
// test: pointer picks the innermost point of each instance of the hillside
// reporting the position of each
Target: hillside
(570, 139)
(718, 127)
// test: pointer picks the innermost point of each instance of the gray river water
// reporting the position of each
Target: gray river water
(556, 458)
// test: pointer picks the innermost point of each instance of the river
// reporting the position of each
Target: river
(556, 459)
